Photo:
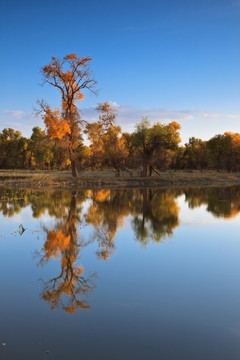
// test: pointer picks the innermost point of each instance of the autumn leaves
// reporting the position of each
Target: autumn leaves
(70, 76)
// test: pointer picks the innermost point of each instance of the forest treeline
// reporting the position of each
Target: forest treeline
(148, 149)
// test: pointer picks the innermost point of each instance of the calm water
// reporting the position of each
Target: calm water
(120, 274)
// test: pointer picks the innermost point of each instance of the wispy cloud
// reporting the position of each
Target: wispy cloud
(18, 115)
(19, 120)
(128, 114)
(198, 123)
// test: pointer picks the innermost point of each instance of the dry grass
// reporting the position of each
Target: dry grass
(106, 178)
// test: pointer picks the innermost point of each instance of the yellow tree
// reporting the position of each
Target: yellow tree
(115, 152)
(71, 76)
(95, 134)
(97, 130)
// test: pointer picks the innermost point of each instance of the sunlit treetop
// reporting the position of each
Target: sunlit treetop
(70, 75)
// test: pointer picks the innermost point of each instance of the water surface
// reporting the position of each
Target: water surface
(120, 274)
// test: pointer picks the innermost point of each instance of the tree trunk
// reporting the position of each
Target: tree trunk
(73, 163)
(30, 161)
(74, 167)
(146, 165)
(23, 160)
(150, 170)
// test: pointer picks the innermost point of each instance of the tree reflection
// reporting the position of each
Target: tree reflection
(106, 214)
(12, 201)
(221, 202)
(71, 287)
(155, 214)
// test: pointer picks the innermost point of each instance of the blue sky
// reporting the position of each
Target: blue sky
(168, 60)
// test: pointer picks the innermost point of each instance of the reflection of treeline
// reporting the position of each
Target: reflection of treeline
(153, 212)
(221, 202)
(153, 215)
(148, 149)
(13, 200)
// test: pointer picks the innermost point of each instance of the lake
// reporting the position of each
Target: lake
(120, 274)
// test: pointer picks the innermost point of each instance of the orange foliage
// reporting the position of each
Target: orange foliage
(56, 126)
(80, 96)
(71, 56)
(56, 243)
(101, 195)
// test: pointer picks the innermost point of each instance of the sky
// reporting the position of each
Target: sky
(170, 60)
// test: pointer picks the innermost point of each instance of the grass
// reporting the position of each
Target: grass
(106, 178)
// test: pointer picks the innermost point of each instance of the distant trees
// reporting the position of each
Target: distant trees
(149, 148)
(37, 152)
(149, 139)
(13, 149)
(41, 148)
(71, 76)
(224, 151)
(195, 154)
(114, 150)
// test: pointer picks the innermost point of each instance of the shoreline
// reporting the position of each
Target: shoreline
(106, 179)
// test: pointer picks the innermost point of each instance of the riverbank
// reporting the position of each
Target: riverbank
(106, 178)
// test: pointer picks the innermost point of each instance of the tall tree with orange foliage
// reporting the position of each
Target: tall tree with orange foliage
(71, 76)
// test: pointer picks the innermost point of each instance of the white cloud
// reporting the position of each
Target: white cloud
(17, 114)
(114, 104)
(20, 120)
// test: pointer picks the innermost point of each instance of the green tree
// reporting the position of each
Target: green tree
(41, 148)
(148, 139)
(195, 155)
(13, 148)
